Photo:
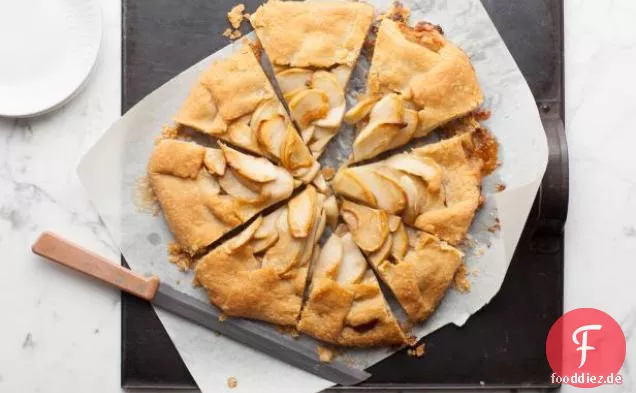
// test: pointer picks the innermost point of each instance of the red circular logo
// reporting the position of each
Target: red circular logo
(586, 348)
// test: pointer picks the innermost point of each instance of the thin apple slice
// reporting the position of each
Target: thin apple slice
(374, 139)
(342, 73)
(388, 194)
(400, 244)
(271, 135)
(360, 110)
(280, 188)
(327, 82)
(293, 79)
(255, 168)
(377, 257)
(268, 226)
(260, 245)
(208, 185)
(330, 258)
(320, 183)
(369, 227)
(349, 185)
(353, 264)
(307, 175)
(265, 111)
(294, 153)
(424, 167)
(309, 105)
(233, 187)
(285, 253)
(333, 118)
(318, 228)
(249, 183)
(214, 161)
(245, 236)
(331, 210)
(241, 135)
(394, 223)
(406, 132)
(302, 210)
(390, 109)
(322, 136)
(307, 133)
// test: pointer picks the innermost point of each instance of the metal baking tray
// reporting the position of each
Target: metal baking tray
(502, 346)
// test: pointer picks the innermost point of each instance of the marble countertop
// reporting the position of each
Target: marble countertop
(62, 333)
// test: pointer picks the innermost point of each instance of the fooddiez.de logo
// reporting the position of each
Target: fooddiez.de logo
(586, 348)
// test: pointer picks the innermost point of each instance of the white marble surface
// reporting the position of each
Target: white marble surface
(61, 333)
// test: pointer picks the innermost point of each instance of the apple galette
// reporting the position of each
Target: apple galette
(313, 46)
(418, 81)
(436, 188)
(234, 101)
(417, 266)
(261, 273)
(205, 192)
(345, 305)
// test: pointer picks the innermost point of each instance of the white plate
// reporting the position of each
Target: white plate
(47, 51)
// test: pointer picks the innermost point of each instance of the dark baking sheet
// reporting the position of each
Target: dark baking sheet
(502, 346)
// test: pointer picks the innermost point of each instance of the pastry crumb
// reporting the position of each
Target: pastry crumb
(235, 16)
(222, 317)
(460, 281)
(232, 382)
(479, 250)
(500, 187)
(325, 355)
(144, 199)
(418, 351)
(411, 341)
(496, 227)
(290, 330)
(195, 282)
(178, 256)
(328, 172)
(482, 114)
(232, 34)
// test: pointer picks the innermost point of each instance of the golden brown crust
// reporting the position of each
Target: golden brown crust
(248, 276)
(436, 188)
(418, 269)
(196, 202)
(345, 304)
(312, 33)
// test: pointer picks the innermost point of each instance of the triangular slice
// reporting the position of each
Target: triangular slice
(313, 46)
(261, 273)
(205, 192)
(418, 81)
(436, 188)
(345, 304)
(234, 101)
(418, 267)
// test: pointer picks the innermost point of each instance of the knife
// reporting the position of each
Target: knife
(254, 334)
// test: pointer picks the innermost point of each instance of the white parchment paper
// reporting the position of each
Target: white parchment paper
(111, 169)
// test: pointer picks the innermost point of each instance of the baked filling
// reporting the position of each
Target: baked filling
(417, 82)
(313, 46)
(345, 304)
(206, 192)
(234, 101)
(435, 188)
(417, 266)
(261, 273)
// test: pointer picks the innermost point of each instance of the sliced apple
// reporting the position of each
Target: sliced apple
(333, 118)
(214, 161)
(254, 168)
(373, 139)
(329, 259)
(369, 227)
(307, 175)
(342, 73)
(309, 105)
(400, 244)
(249, 183)
(245, 236)
(327, 82)
(208, 185)
(317, 229)
(322, 136)
(331, 210)
(293, 79)
(271, 134)
(349, 185)
(233, 187)
(390, 110)
(265, 111)
(301, 214)
(294, 153)
(423, 167)
(406, 132)
(280, 188)
(268, 226)
(387, 192)
(413, 196)
(260, 245)
(360, 110)
(320, 183)
(223, 208)
(285, 253)
(382, 253)
(394, 223)
(353, 264)
(242, 135)
(307, 133)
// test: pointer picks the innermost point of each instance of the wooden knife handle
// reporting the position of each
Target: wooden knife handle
(69, 254)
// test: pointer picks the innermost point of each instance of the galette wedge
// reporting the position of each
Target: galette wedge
(345, 305)
(233, 101)
(262, 272)
(418, 80)
(313, 47)
(417, 266)
(205, 192)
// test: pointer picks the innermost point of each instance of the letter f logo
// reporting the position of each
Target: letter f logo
(583, 344)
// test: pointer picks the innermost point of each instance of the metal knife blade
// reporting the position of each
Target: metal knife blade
(257, 335)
